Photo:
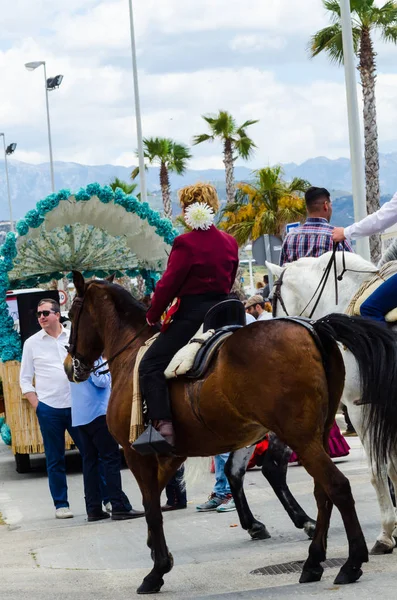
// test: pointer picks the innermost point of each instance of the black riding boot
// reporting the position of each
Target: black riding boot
(158, 438)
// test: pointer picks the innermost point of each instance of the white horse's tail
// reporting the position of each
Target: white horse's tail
(195, 470)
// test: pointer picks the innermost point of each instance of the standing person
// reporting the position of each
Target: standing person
(221, 498)
(266, 287)
(42, 359)
(384, 298)
(200, 273)
(90, 400)
(314, 237)
(256, 307)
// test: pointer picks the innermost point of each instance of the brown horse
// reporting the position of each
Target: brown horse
(273, 375)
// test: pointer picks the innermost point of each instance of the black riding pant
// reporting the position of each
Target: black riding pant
(186, 321)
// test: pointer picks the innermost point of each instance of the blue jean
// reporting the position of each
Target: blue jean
(221, 487)
(53, 424)
(383, 300)
(97, 443)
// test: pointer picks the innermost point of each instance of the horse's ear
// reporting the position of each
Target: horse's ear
(110, 278)
(79, 283)
(274, 269)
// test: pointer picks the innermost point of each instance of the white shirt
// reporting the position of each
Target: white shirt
(265, 316)
(249, 319)
(42, 358)
(380, 220)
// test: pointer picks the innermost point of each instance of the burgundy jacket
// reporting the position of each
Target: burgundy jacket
(200, 262)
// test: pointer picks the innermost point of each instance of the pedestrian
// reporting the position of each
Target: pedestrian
(42, 360)
(99, 450)
(221, 499)
(256, 307)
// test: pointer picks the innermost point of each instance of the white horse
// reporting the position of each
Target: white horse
(300, 281)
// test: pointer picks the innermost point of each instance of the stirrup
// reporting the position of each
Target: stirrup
(151, 442)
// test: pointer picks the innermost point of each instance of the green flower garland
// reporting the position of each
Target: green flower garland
(10, 343)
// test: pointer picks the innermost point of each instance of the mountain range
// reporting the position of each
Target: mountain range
(30, 183)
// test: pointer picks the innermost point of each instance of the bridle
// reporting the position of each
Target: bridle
(331, 265)
(81, 371)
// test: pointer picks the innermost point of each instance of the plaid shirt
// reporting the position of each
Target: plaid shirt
(313, 238)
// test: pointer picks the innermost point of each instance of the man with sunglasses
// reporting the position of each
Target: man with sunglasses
(42, 359)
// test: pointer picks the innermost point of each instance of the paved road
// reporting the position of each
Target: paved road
(45, 559)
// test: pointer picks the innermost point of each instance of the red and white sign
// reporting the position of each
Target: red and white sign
(63, 297)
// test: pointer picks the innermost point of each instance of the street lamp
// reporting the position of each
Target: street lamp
(50, 84)
(356, 157)
(8, 150)
(142, 173)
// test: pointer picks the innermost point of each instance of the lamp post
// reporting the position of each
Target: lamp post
(356, 157)
(8, 150)
(142, 172)
(49, 84)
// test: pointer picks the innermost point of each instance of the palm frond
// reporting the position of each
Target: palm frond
(389, 34)
(329, 40)
(244, 147)
(203, 137)
(128, 188)
(333, 6)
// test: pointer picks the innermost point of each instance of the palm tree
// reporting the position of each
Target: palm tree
(264, 206)
(128, 188)
(171, 157)
(366, 18)
(235, 140)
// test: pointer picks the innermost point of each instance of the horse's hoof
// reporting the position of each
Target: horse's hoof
(259, 532)
(348, 575)
(381, 548)
(311, 575)
(309, 528)
(150, 585)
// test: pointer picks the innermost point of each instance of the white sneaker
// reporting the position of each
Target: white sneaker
(63, 513)
(226, 506)
(108, 507)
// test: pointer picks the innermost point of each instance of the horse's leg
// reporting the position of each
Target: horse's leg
(274, 468)
(337, 487)
(235, 470)
(312, 570)
(384, 542)
(146, 471)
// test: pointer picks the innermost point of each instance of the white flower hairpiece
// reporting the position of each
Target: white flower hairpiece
(199, 216)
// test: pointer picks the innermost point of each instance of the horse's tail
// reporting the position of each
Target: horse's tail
(375, 350)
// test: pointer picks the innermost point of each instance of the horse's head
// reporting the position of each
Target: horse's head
(85, 343)
(296, 290)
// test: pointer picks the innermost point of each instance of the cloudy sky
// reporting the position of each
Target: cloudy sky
(195, 57)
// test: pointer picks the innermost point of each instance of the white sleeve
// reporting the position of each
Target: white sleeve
(27, 370)
(380, 220)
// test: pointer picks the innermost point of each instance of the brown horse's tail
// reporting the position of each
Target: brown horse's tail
(375, 350)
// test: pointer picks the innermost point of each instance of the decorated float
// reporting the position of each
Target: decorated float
(97, 231)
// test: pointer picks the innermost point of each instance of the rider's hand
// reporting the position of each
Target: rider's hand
(149, 323)
(338, 234)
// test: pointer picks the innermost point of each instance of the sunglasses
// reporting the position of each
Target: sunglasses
(44, 313)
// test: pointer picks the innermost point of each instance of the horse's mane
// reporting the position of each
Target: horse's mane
(352, 261)
(127, 307)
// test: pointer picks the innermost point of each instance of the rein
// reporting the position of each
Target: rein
(78, 360)
(319, 289)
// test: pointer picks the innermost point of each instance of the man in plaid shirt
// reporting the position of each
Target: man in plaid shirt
(314, 237)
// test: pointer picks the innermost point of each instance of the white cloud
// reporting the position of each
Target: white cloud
(92, 114)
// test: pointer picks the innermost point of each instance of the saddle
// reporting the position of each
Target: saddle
(193, 360)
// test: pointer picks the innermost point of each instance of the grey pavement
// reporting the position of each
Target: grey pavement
(45, 559)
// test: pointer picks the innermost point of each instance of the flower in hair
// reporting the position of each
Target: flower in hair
(199, 216)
